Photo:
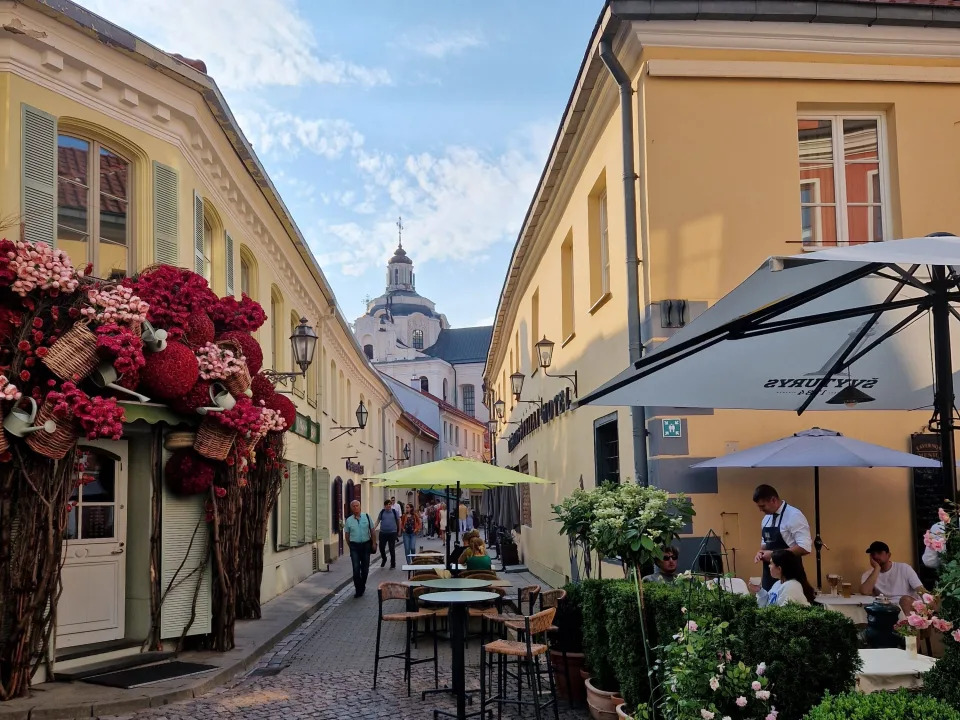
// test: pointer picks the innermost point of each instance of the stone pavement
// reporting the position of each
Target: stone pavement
(324, 669)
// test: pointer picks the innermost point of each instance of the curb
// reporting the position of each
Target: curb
(196, 689)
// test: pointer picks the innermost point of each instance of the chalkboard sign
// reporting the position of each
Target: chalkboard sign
(526, 516)
(928, 496)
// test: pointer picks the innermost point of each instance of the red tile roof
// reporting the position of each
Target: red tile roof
(73, 163)
(421, 426)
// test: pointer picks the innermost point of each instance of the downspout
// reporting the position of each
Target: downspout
(383, 433)
(638, 414)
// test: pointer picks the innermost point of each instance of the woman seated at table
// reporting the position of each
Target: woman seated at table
(475, 556)
(791, 586)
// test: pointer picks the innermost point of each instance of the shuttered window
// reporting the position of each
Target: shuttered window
(323, 502)
(166, 215)
(199, 262)
(310, 509)
(303, 505)
(228, 259)
(39, 175)
(184, 547)
(283, 511)
(293, 538)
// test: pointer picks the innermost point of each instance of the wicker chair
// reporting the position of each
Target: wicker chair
(427, 560)
(479, 575)
(425, 575)
(556, 599)
(387, 592)
(527, 654)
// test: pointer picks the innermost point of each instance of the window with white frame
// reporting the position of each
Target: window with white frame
(842, 179)
(604, 244)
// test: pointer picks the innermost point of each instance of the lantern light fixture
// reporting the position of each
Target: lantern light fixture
(545, 356)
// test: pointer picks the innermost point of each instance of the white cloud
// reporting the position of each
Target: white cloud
(438, 44)
(245, 43)
(272, 131)
(456, 204)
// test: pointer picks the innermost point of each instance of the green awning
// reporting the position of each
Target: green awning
(153, 413)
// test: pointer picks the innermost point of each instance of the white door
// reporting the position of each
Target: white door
(91, 607)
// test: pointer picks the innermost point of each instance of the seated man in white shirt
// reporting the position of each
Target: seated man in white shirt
(898, 581)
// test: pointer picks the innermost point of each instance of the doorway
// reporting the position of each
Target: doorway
(338, 515)
(91, 606)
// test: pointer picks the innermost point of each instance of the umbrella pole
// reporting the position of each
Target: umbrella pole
(943, 381)
(817, 541)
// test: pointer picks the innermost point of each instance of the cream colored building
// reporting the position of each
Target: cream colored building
(753, 130)
(126, 156)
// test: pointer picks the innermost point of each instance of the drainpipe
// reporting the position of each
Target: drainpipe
(638, 414)
(383, 432)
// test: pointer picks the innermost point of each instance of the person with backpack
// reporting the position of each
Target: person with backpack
(359, 531)
(388, 522)
(410, 527)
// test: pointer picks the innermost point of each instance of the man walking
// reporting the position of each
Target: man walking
(431, 519)
(359, 532)
(462, 516)
(397, 510)
(389, 525)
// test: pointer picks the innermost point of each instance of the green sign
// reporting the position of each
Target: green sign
(305, 427)
(672, 428)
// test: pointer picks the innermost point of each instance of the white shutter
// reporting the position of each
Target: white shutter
(324, 511)
(310, 509)
(38, 175)
(293, 539)
(228, 257)
(181, 518)
(166, 214)
(283, 510)
(302, 506)
(197, 233)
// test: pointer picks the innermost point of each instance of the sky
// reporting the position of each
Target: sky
(439, 111)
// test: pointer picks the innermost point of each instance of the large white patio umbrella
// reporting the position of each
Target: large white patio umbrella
(818, 448)
(865, 326)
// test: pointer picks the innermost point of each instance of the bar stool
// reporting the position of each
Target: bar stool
(527, 653)
(386, 592)
(556, 599)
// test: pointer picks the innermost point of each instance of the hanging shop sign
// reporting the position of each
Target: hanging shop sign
(354, 467)
(553, 408)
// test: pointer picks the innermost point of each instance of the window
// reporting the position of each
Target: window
(566, 287)
(244, 276)
(446, 432)
(332, 391)
(457, 436)
(469, 405)
(424, 385)
(598, 240)
(841, 180)
(276, 303)
(418, 339)
(535, 327)
(93, 193)
(445, 390)
(396, 277)
(368, 351)
(606, 449)
(207, 251)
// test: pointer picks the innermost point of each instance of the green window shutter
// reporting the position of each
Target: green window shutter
(310, 493)
(197, 233)
(302, 505)
(228, 257)
(323, 503)
(185, 536)
(38, 180)
(283, 510)
(166, 215)
(293, 538)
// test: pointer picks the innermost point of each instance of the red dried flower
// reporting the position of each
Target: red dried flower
(24, 375)
(37, 336)
(231, 314)
(174, 294)
(122, 346)
(29, 304)
(283, 405)
(29, 362)
(74, 312)
(220, 492)
(197, 396)
(188, 473)
(37, 323)
(198, 331)
(249, 348)
(170, 373)
(261, 388)
(23, 346)
(42, 352)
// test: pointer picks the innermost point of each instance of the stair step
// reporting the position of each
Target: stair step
(114, 665)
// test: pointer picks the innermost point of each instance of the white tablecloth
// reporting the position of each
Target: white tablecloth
(852, 607)
(890, 669)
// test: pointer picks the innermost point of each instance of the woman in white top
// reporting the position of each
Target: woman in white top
(791, 586)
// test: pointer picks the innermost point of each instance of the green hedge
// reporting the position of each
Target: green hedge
(901, 705)
(569, 621)
(596, 645)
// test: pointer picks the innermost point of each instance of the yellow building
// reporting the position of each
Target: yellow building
(751, 130)
(126, 156)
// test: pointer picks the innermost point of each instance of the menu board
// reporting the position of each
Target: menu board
(928, 496)
(526, 516)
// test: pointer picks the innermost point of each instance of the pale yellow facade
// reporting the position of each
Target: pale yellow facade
(149, 109)
(716, 107)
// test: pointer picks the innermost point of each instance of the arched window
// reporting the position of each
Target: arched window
(418, 339)
(396, 277)
(444, 389)
(207, 251)
(368, 351)
(93, 200)
(276, 326)
(424, 385)
(248, 273)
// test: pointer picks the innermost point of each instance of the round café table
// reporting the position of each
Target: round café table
(457, 600)
(452, 584)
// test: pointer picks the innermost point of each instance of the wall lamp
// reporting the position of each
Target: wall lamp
(304, 343)
(406, 455)
(545, 355)
(361, 414)
(516, 385)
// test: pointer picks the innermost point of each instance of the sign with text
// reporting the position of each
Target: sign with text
(928, 495)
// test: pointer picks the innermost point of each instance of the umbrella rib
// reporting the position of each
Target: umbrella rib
(907, 276)
(828, 317)
(889, 333)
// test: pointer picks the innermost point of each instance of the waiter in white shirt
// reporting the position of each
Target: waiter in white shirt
(783, 528)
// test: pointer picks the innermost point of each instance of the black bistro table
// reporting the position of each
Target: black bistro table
(458, 600)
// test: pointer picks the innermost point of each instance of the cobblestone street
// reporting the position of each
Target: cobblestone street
(324, 670)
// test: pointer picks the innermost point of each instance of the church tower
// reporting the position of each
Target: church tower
(400, 268)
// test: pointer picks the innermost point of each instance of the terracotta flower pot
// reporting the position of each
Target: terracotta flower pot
(602, 704)
(622, 712)
(574, 670)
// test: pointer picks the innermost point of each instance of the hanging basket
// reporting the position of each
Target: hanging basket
(245, 445)
(213, 440)
(179, 440)
(53, 445)
(74, 355)
(238, 383)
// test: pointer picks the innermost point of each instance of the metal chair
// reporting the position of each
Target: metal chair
(527, 654)
(386, 592)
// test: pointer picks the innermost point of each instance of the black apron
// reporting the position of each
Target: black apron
(772, 540)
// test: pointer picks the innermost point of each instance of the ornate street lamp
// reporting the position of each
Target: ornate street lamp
(545, 356)
(499, 406)
(303, 342)
(361, 414)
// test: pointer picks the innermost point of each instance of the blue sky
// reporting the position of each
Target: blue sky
(441, 111)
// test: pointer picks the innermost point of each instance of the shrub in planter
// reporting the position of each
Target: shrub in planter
(901, 705)
(941, 682)
(596, 644)
(569, 621)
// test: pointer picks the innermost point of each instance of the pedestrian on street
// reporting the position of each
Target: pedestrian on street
(410, 524)
(423, 521)
(462, 513)
(431, 519)
(442, 521)
(397, 510)
(359, 531)
(389, 524)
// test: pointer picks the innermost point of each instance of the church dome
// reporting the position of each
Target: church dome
(400, 256)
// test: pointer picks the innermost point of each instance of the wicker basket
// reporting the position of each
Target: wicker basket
(245, 445)
(238, 383)
(179, 440)
(213, 440)
(52, 445)
(74, 355)
(4, 443)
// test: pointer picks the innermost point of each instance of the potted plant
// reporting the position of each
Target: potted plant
(566, 650)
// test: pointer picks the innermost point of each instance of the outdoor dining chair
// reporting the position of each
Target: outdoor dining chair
(386, 592)
(527, 654)
(557, 599)
(479, 575)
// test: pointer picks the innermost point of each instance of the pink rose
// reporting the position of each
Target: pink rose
(941, 624)
(692, 626)
(763, 695)
(917, 621)
(706, 714)
(944, 516)
(741, 701)
(955, 635)
(772, 715)
(928, 599)
(755, 685)
(761, 669)
(919, 606)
